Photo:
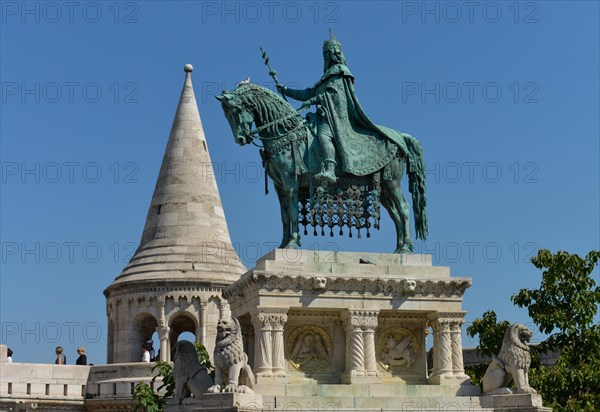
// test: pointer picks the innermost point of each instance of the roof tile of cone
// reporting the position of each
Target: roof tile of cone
(185, 237)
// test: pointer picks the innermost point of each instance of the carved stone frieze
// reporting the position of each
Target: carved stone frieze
(454, 287)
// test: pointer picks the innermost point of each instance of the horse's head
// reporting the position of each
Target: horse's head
(239, 116)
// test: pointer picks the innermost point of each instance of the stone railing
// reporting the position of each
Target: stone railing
(118, 380)
(28, 386)
(40, 387)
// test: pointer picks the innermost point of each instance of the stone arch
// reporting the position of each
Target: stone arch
(143, 326)
(182, 321)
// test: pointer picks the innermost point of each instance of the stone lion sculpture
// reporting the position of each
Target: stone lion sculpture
(190, 377)
(512, 362)
(231, 362)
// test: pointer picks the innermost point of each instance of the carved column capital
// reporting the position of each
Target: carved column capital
(163, 332)
(456, 326)
(278, 321)
(261, 321)
(361, 319)
(271, 319)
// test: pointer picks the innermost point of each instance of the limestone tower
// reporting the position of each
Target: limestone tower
(173, 282)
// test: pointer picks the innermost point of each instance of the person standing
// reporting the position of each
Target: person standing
(145, 353)
(61, 359)
(150, 347)
(9, 354)
(343, 128)
(82, 359)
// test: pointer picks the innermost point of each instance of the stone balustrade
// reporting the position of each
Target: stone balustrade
(40, 387)
(28, 386)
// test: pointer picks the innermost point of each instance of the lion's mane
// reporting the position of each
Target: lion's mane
(515, 350)
(230, 349)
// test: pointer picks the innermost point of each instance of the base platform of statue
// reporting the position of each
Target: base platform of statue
(347, 331)
(514, 402)
(219, 402)
(351, 318)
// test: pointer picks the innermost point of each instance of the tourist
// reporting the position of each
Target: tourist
(9, 354)
(82, 359)
(150, 346)
(60, 358)
(145, 354)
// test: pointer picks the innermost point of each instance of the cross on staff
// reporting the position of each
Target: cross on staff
(272, 72)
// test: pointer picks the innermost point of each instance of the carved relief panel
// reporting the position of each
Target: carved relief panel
(400, 347)
(314, 346)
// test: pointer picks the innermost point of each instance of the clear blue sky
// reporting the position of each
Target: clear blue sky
(504, 97)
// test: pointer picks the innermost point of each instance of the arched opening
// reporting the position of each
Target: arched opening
(144, 326)
(156, 345)
(189, 336)
(182, 324)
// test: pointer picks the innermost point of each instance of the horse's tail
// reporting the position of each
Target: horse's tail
(416, 184)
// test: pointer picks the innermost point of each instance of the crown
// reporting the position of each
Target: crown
(332, 43)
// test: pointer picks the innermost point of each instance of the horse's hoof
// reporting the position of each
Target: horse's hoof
(404, 249)
(294, 241)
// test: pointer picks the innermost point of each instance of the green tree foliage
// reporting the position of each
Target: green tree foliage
(150, 401)
(563, 307)
(490, 332)
(204, 359)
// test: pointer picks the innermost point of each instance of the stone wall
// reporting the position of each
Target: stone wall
(473, 357)
(42, 387)
(29, 386)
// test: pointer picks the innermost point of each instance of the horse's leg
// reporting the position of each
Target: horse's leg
(291, 187)
(285, 215)
(398, 209)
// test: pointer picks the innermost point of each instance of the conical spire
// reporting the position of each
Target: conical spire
(185, 236)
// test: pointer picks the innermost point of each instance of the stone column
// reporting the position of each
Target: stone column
(201, 328)
(424, 353)
(116, 327)
(369, 344)
(269, 347)
(263, 346)
(457, 353)
(163, 331)
(163, 337)
(442, 351)
(277, 323)
(128, 328)
(200, 332)
(361, 364)
(116, 338)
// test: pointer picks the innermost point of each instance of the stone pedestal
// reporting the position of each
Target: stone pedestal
(515, 402)
(351, 318)
(220, 402)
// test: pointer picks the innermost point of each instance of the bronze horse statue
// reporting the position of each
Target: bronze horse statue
(291, 147)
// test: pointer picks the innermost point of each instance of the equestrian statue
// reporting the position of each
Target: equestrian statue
(335, 167)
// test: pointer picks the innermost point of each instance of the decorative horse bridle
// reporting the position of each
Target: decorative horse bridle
(250, 134)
